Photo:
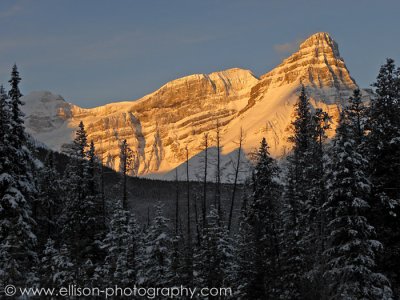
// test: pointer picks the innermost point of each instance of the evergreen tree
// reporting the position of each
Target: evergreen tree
(214, 259)
(314, 235)
(263, 228)
(244, 254)
(357, 114)
(352, 248)
(296, 231)
(126, 165)
(17, 193)
(94, 195)
(122, 244)
(383, 143)
(79, 220)
(301, 125)
(178, 263)
(155, 260)
(49, 202)
(80, 145)
(92, 185)
(305, 195)
(5, 125)
(17, 128)
(56, 268)
(4, 121)
(293, 252)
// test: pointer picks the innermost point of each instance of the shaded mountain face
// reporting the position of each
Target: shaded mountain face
(159, 126)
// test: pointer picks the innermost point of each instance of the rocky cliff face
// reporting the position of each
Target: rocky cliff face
(159, 126)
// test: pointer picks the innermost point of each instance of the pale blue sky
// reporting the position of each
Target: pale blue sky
(94, 51)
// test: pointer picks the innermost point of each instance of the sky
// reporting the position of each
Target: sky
(94, 52)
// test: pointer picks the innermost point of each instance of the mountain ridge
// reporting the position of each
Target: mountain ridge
(160, 125)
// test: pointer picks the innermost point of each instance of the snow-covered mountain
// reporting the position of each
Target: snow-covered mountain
(159, 126)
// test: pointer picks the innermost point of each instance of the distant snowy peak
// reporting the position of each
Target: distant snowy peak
(45, 111)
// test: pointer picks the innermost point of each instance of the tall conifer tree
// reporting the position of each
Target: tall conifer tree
(352, 247)
(263, 229)
(383, 143)
(17, 193)
(79, 221)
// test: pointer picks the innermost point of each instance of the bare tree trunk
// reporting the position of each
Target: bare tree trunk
(176, 203)
(237, 168)
(188, 195)
(218, 175)
(123, 169)
(204, 203)
(189, 231)
(103, 197)
(124, 197)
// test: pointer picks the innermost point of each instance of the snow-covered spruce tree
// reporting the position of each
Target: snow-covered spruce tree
(263, 229)
(314, 235)
(178, 266)
(5, 128)
(296, 259)
(49, 202)
(17, 126)
(122, 244)
(383, 142)
(351, 245)
(79, 218)
(357, 115)
(126, 165)
(94, 195)
(17, 192)
(154, 259)
(4, 119)
(244, 272)
(93, 163)
(214, 265)
(56, 267)
(304, 196)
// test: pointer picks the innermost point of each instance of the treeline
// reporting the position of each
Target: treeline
(323, 224)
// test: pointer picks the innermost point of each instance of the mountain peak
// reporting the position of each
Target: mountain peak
(318, 65)
(321, 41)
